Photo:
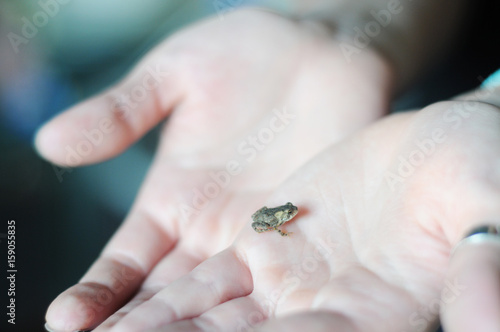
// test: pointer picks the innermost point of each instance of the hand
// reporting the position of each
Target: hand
(225, 79)
(378, 216)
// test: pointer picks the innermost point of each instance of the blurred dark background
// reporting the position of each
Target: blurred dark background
(62, 222)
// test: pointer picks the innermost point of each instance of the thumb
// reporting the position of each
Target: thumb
(105, 125)
(471, 296)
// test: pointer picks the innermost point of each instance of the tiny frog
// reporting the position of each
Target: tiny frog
(270, 219)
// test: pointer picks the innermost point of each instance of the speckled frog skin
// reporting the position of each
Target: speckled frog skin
(269, 219)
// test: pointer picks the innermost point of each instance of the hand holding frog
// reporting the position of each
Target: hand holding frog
(369, 253)
(218, 95)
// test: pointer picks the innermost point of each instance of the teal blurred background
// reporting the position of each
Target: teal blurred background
(63, 221)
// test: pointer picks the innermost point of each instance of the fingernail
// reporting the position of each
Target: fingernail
(492, 81)
(49, 329)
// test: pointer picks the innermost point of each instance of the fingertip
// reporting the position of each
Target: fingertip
(84, 134)
(68, 313)
(45, 140)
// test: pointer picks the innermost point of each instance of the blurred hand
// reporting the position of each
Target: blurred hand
(378, 216)
(248, 101)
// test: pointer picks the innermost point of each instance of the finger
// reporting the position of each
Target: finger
(240, 314)
(221, 278)
(114, 277)
(176, 264)
(138, 299)
(103, 126)
(314, 321)
(473, 301)
(180, 261)
(245, 314)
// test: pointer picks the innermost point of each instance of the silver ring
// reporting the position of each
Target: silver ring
(481, 234)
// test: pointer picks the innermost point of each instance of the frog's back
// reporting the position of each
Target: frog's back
(258, 213)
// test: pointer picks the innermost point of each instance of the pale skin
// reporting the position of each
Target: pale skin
(156, 247)
(386, 253)
(383, 254)
(364, 257)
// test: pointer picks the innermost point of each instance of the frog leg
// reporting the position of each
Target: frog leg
(282, 233)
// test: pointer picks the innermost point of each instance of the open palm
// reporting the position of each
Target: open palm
(249, 100)
(371, 243)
